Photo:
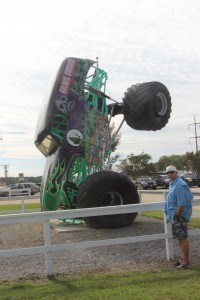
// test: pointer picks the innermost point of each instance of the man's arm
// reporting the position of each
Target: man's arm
(179, 210)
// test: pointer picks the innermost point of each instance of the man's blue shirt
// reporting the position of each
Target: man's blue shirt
(179, 195)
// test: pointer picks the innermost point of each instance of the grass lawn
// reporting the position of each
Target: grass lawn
(194, 222)
(7, 207)
(165, 285)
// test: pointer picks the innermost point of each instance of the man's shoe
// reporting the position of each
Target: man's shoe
(178, 262)
(182, 266)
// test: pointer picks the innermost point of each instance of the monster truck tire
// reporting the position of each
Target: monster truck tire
(107, 188)
(147, 106)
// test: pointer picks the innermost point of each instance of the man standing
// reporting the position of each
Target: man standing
(178, 210)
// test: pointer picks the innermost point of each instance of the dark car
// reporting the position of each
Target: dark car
(146, 183)
(191, 179)
(159, 180)
(166, 181)
(162, 181)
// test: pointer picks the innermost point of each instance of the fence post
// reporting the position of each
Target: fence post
(168, 241)
(22, 204)
(48, 252)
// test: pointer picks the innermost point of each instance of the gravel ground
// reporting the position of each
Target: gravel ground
(135, 256)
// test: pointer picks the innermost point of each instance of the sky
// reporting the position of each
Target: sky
(136, 41)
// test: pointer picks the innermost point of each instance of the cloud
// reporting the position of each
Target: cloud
(136, 41)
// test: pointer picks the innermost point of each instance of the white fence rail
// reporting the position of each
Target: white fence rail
(16, 192)
(48, 248)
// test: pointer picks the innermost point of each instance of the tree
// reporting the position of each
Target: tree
(112, 160)
(115, 136)
(136, 165)
(193, 162)
(180, 161)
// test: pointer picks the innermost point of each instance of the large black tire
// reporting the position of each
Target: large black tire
(147, 106)
(107, 188)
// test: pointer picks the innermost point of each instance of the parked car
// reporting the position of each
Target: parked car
(166, 181)
(137, 184)
(18, 189)
(146, 182)
(191, 179)
(159, 180)
(34, 187)
(4, 191)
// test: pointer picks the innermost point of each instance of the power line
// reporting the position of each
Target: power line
(195, 130)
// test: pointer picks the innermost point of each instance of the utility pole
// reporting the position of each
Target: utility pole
(5, 172)
(97, 58)
(195, 130)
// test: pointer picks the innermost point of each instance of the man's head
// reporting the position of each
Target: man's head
(171, 172)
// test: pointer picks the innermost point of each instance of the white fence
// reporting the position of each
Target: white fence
(16, 192)
(48, 248)
(21, 199)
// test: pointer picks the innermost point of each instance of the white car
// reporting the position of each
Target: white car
(18, 189)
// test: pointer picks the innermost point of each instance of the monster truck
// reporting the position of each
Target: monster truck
(73, 133)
